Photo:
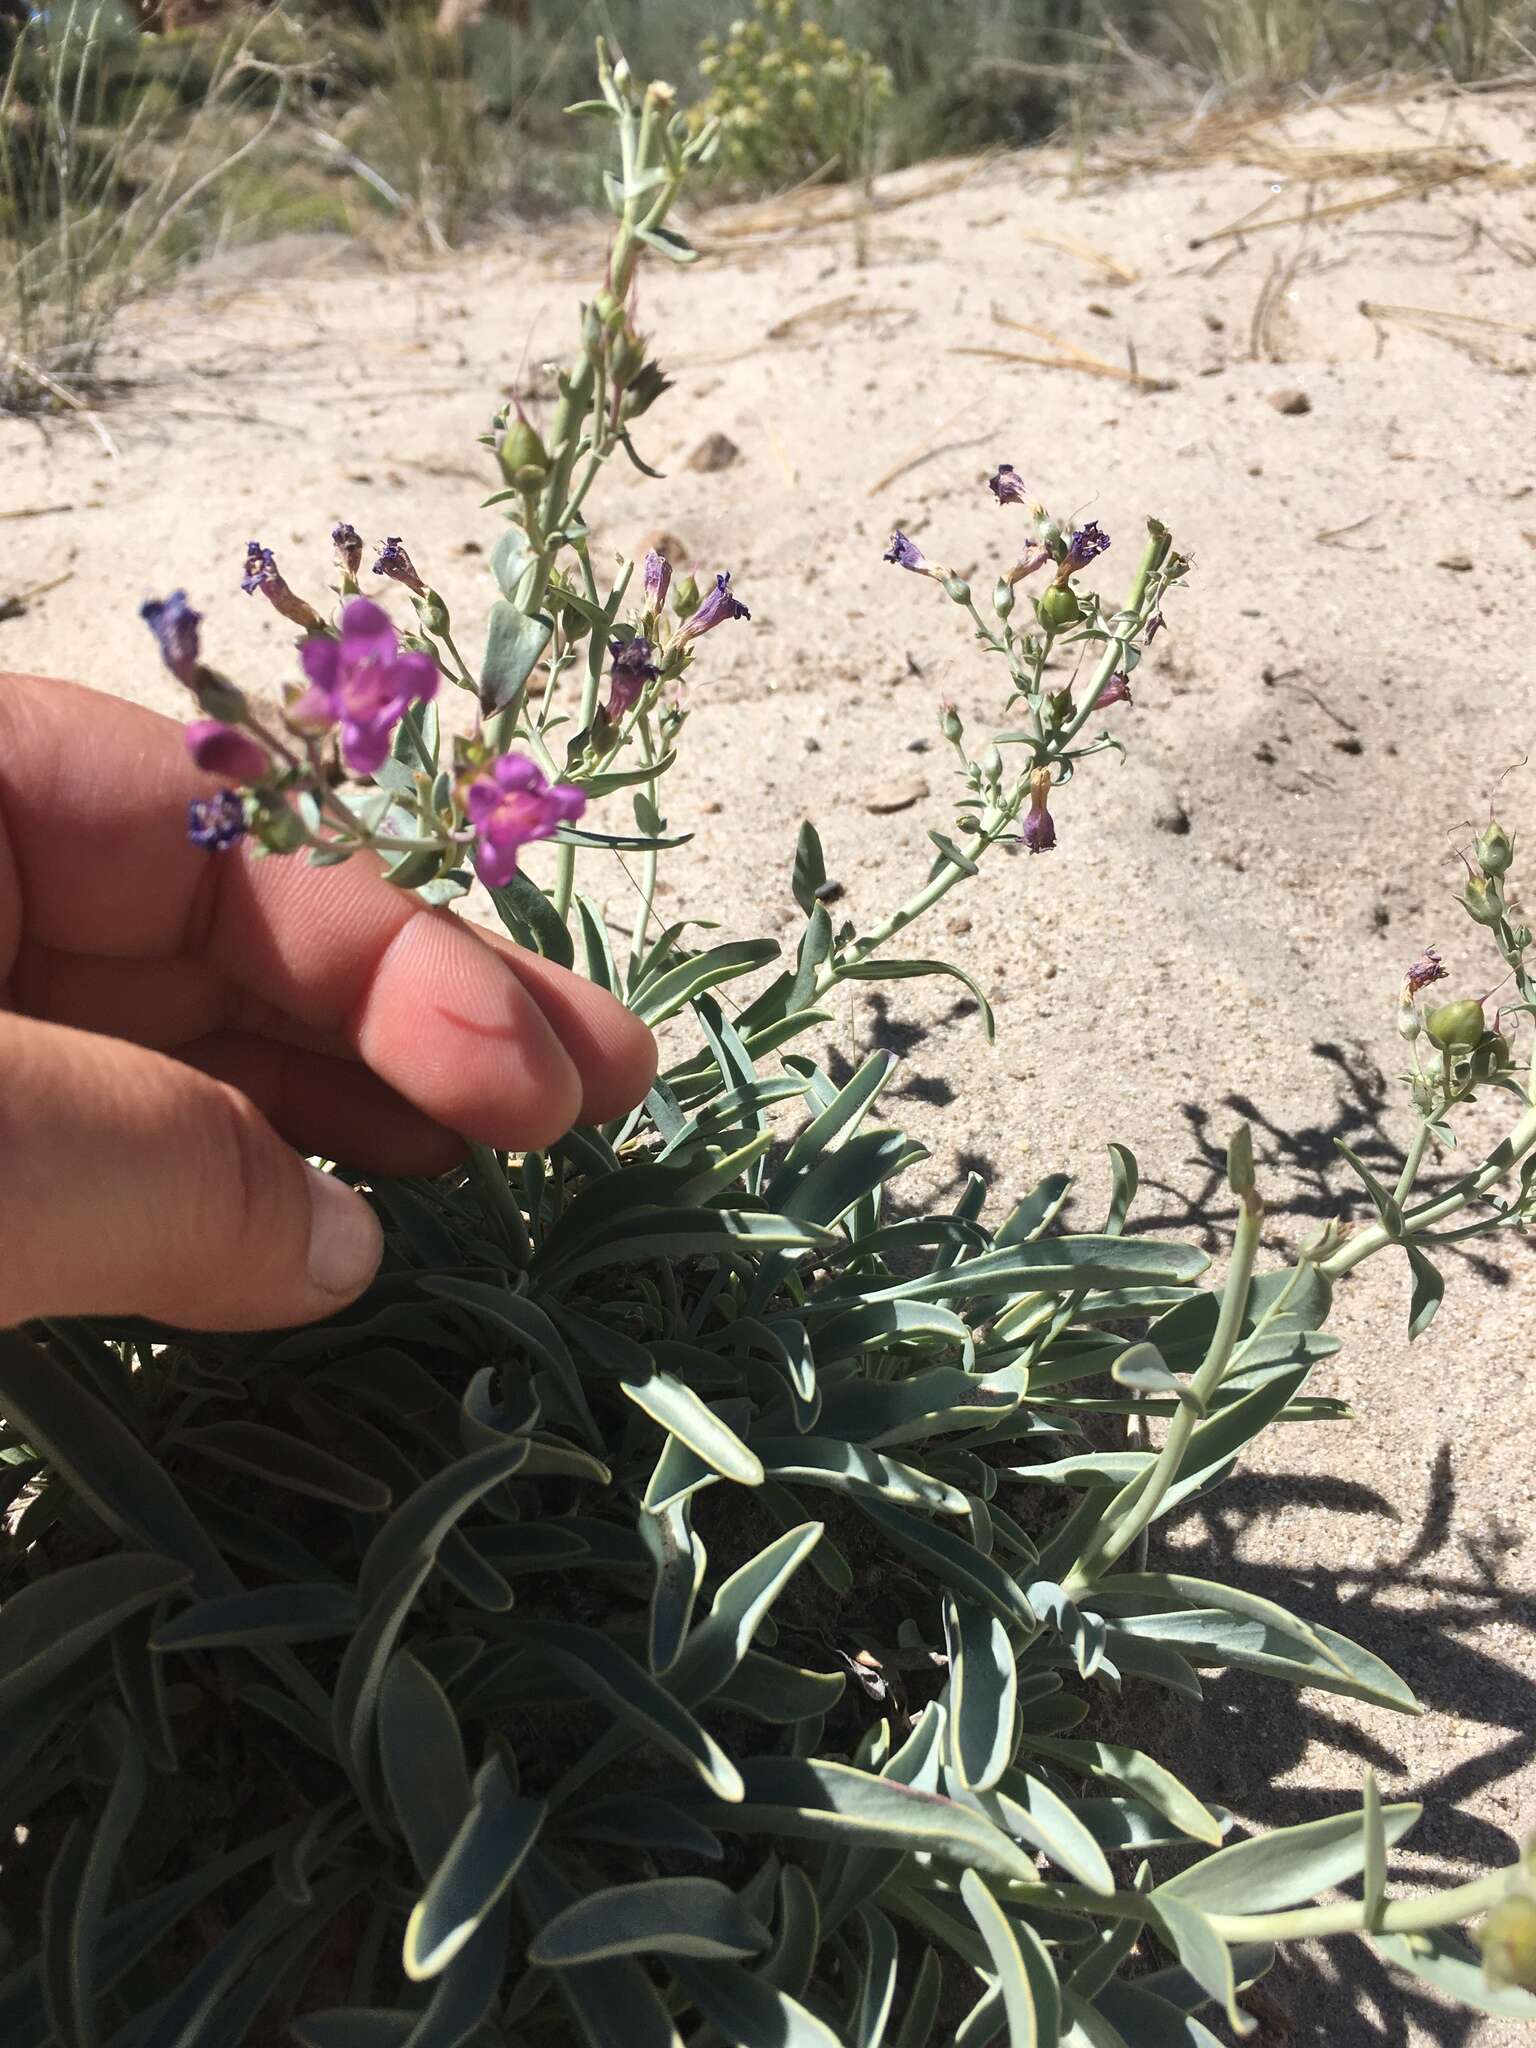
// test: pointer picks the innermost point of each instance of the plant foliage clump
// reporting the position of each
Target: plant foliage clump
(681, 1599)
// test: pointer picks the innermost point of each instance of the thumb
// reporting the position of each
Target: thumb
(130, 1183)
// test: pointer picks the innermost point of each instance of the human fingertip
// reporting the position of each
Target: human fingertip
(345, 1242)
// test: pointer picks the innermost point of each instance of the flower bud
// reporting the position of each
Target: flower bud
(1408, 1024)
(523, 457)
(628, 358)
(277, 827)
(1003, 598)
(225, 751)
(957, 588)
(1495, 849)
(217, 697)
(992, 766)
(685, 595)
(1423, 1096)
(1058, 607)
(949, 723)
(1508, 1942)
(1482, 901)
(1456, 1027)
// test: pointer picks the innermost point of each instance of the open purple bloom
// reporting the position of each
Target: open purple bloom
(512, 804)
(348, 543)
(362, 682)
(1116, 691)
(907, 554)
(1425, 969)
(174, 624)
(657, 576)
(261, 573)
(717, 607)
(1007, 486)
(396, 563)
(1086, 544)
(632, 669)
(225, 751)
(216, 822)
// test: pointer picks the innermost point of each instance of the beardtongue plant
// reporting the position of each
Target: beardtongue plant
(684, 1600)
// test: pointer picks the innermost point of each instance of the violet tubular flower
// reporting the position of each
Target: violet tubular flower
(263, 574)
(225, 751)
(511, 805)
(348, 543)
(216, 822)
(1007, 486)
(174, 625)
(1426, 969)
(632, 669)
(1116, 691)
(395, 563)
(716, 608)
(1086, 545)
(1038, 832)
(657, 579)
(906, 554)
(363, 682)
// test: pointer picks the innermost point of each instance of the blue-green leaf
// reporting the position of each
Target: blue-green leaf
(49, 1625)
(514, 642)
(670, 1916)
(1026, 1976)
(271, 1614)
(422, 1752)
(1287, 1866)
(748, 2009)
(478, 1865)
(983, 1688)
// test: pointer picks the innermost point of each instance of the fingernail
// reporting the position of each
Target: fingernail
(345, 1241)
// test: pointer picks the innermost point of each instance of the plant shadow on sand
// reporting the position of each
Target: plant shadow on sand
(1254, 1735)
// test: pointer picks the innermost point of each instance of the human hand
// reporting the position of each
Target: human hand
(173, 1022)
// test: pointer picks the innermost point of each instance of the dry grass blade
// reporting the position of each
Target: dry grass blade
(823, 208)
(1430, 317)
(1114, 272)
(813, 320)
(1413, 188)
(1070, 356)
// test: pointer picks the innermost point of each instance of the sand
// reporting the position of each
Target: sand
(1332, 703)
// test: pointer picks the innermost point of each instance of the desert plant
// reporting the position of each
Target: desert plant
(101, 178)
(675, 1599)
(791, 100)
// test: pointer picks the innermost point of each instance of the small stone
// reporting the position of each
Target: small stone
(1265, 752)
(959, 926)
(1172, 818)
(812, 744)
(1290, 401)
(1214, 322)
(896, 796)
(711, 806)
(1048, 971)
(1460, 563)
(1381, 916)
(1101, 312)
(1350, 744)
(715, 451)
(663, 543)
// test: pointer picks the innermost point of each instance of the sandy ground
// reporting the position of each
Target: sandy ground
(1332, 703)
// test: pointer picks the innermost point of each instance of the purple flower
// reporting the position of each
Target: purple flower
(261, 573)
(396, 563)
(174, 624)
(1033, 558)
(1425, 969)
(362, 682)
(1007, 486)
(632, 669)
(717, 607)
(348, 543)
(658, 579)
(1116, 691)
(225, 751)
(1154, 626)
(907, 555)
(217, 822)
(511, 805)
(1086, 544)
(1038, 831)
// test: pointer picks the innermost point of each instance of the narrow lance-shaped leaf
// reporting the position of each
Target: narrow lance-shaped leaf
(480, 1862)
(670, 1916)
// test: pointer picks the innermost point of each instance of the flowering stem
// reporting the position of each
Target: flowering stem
(1137, 1505)
(1153, 557)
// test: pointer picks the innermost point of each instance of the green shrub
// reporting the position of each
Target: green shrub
(790, 99)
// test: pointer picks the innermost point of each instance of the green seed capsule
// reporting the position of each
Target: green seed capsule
(1058, 607)
(1456, 1027)
(1508, 1941)
(1490, 1056)
(1495, 849)
(1482, 901)
(523, 457)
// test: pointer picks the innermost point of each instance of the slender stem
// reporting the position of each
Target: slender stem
(648, 862)
(495, 1190)
(1138, 1504)
(1411, 1164)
